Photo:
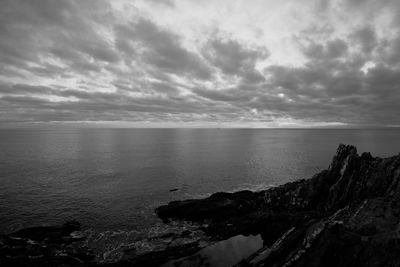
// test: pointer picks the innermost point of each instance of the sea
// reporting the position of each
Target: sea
(111, 180)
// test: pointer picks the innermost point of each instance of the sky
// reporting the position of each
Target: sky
(200, 63)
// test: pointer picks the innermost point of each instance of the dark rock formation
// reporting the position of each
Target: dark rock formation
(348, 215)
(45, 246)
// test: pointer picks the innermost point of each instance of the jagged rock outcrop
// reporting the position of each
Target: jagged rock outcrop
(45, 246)
(347, 215)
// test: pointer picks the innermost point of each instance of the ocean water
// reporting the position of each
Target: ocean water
(112, 179)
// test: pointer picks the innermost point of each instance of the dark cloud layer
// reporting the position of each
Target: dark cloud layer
(71, 60)
(232, 58)
(160, 48)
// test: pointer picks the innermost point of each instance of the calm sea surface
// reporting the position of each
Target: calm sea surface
(114, 178)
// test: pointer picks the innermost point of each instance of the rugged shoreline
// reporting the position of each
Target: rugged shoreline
(347, 215)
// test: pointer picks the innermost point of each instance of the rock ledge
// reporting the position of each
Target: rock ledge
(347, 215)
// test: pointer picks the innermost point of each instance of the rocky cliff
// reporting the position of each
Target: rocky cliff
(347, 215)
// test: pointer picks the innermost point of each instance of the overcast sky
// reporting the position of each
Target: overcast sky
(267, 63)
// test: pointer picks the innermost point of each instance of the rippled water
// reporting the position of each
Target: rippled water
(112, 179)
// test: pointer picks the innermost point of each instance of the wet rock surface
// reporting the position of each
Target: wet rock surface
(45, 246)
(347, 215)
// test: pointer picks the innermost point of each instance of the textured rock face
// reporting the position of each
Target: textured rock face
(350, 178)
(347, 215)
(45, 246)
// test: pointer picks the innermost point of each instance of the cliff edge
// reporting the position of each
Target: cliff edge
(346, 215)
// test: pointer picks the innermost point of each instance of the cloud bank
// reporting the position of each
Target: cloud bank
(181, 63)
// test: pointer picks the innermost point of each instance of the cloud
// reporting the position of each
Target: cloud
(391, 51)
(160, 49)
(234, 58)
(66, 31)
(23, 89)
(332, 49)
(262, 62)
(168, 3)
(366, 38)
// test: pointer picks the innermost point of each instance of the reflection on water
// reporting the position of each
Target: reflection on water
(114, 178)
(222, 254)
